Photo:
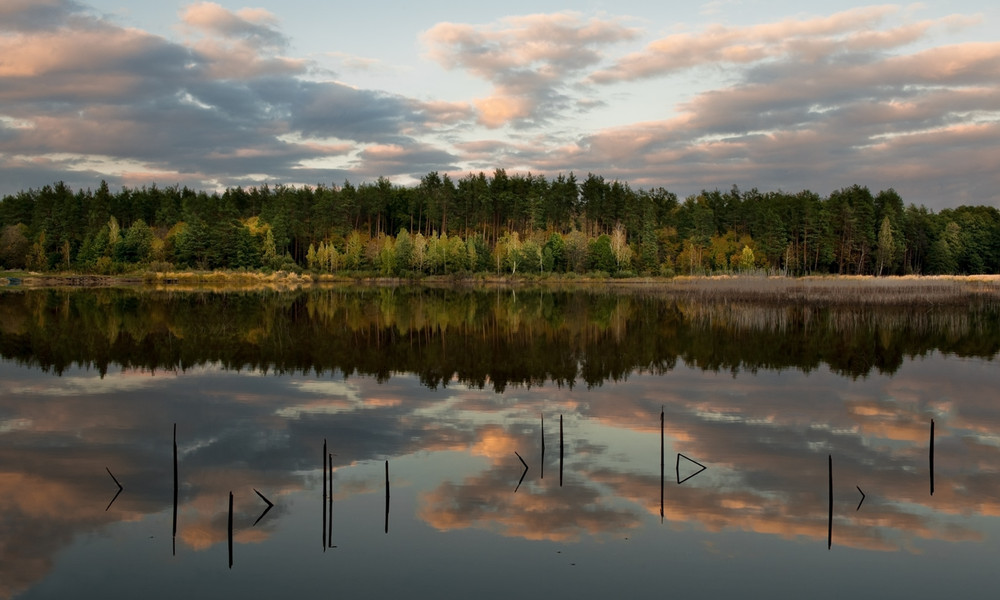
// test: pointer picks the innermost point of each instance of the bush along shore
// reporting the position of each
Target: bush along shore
(490, 226)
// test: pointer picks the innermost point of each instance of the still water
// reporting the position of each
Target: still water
(495, 444)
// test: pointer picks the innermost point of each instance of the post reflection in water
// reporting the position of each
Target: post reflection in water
(329, 520)
(931, 459)
(829, 527)
(450, 386)
(661, 463)
(118, 493)
(386, 496)
(322, 506)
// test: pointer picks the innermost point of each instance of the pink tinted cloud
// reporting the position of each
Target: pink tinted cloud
(229, 59)
(908, 121)
(248, 22)
(809, 40)
(529, 59)
(241, 44)
(63, 59)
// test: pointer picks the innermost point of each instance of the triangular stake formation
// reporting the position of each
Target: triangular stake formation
(270, 505)
(120, 488)
(678, 468)
(525, 472)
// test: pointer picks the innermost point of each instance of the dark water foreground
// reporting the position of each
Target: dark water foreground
(496, 444)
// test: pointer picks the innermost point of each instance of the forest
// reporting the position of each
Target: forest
(500, 223)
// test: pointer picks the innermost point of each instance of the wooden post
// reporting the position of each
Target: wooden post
(387, 496)
(329, 521)
(174, 548)
(230, 530)
(322, 505)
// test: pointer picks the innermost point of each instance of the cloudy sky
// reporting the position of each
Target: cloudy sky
(766, 94)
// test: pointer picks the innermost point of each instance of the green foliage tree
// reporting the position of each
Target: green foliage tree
(555, 246)
(577, 251)
(532, 255)
(136, 245)
(945, 250)
(354, 252)
(269, 253)
(404, 251)
(509, 251)
(885, 252)
(601, 255)
(385, 261)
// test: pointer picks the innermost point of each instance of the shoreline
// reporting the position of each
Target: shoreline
(838, 289)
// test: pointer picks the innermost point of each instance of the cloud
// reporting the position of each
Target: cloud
(529, 59)
(334, 109)
(809, 40)
(820, 102)
(252, 24)
(239, 45)
(20, 15)
(415, 159)
(84, 99)
(351, 62)
(916, 122)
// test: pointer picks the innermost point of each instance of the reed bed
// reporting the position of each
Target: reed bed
(227, 280)
(907, 291)
(913, 292)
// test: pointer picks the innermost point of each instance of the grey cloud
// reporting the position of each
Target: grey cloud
(921, 123)
(108, 93)
(31, 15)
(414, 159)
(21, 175)
(333, 109)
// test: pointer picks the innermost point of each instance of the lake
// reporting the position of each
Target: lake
(496, 443)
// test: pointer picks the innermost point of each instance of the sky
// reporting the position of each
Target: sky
(759, 94)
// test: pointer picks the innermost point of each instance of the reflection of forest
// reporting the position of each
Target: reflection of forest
(494, 338)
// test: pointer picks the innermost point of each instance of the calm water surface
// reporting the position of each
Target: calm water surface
(443, 393)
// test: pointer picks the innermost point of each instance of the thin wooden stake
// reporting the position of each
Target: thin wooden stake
(230, 530)
(322, 506)
(174, 543)
(329, 521)
(932, 457)
(829, 528)
(387, 496)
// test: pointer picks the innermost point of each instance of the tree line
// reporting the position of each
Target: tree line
(499, 223)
